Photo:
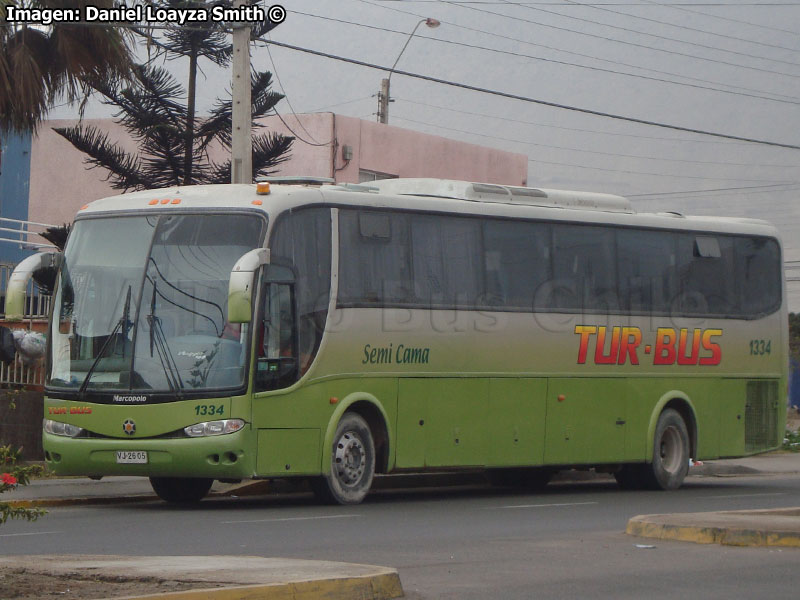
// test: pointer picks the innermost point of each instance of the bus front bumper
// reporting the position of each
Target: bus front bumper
(228, 456)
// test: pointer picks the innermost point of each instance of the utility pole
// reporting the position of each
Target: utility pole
(383, 102)
(242, 111)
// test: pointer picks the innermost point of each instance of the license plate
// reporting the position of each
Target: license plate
(131, 457)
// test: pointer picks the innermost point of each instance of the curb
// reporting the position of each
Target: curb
(84, 501)
(374, 587)
(236, 577)
(756, 531)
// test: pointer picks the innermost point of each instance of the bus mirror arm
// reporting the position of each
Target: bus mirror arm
(18, 282)
(240, 288)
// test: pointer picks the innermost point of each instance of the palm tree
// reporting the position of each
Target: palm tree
(39, 65)
(151, 113)
(173, 144)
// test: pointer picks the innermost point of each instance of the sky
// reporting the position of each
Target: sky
(730, 67)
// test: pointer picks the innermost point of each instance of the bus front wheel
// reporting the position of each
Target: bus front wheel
(352, 467)
(181, 490)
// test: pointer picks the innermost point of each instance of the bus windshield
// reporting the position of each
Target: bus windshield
(141, 305)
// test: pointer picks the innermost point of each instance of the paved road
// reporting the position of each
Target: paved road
(565, 542)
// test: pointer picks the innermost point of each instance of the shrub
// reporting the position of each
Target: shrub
(11, 476)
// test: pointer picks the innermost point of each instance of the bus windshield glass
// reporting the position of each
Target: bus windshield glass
(141, 305)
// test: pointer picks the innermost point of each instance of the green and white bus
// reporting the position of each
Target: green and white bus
(333, 332)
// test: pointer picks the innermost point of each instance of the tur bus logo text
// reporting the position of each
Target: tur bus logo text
(621, 345)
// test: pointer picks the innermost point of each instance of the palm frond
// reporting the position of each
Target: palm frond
(38, 66)
(57, 235)
(209, 39)
(124, 170)
(218, 126)
(269, 150)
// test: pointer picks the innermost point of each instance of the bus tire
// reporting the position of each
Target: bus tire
(181, 490)
(348, 478)
(670, 453)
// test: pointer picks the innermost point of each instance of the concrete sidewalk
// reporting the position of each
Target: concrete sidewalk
(224, 577)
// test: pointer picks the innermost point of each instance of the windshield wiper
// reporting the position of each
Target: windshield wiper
(123, 324)
(159, 341)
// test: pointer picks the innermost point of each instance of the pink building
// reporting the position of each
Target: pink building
(347, 149)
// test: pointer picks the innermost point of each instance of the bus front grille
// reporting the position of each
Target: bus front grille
(761, 416)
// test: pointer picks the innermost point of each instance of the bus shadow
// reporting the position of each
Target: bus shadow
(297, 494)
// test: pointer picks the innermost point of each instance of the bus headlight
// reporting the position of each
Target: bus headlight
(214, 428)
(65, 429)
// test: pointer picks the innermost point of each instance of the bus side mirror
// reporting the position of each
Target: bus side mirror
(18, 282)
(240, 288)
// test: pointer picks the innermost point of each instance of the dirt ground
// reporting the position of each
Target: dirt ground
(18, 584)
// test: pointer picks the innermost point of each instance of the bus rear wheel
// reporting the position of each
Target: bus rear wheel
(670, 462)
(670, 452)
(181, 490)
(352, 467)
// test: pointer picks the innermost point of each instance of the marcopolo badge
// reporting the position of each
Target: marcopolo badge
(129, 427)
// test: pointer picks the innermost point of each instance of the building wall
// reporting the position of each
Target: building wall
(15, 170)
(60, 182)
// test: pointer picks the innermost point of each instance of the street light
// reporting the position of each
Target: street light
(383, 95)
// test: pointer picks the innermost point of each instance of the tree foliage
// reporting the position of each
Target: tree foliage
(173, 146)
(39, 65)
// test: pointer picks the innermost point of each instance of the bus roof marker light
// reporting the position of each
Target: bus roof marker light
(176, 201)
(165, 201)
(262, 188)
(153, 202)
(257, 202)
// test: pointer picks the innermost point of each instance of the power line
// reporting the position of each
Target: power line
(788, 100)
(617, 41)
(744, 191)
(294, 133)
(329, 106)
(752, 187)
(578, 129)
(682, 8)
(580, 166)
(286, 97)
(635, 156)
(529, 99)
(686, 27)
(526, 42)
(627, 172)
(716, 4)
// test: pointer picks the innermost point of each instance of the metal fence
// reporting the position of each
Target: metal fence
(19, 374)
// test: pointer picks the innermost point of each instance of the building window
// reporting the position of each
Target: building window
(365, 176)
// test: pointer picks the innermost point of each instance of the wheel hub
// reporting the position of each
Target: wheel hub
(670, 450)
(350, 458)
